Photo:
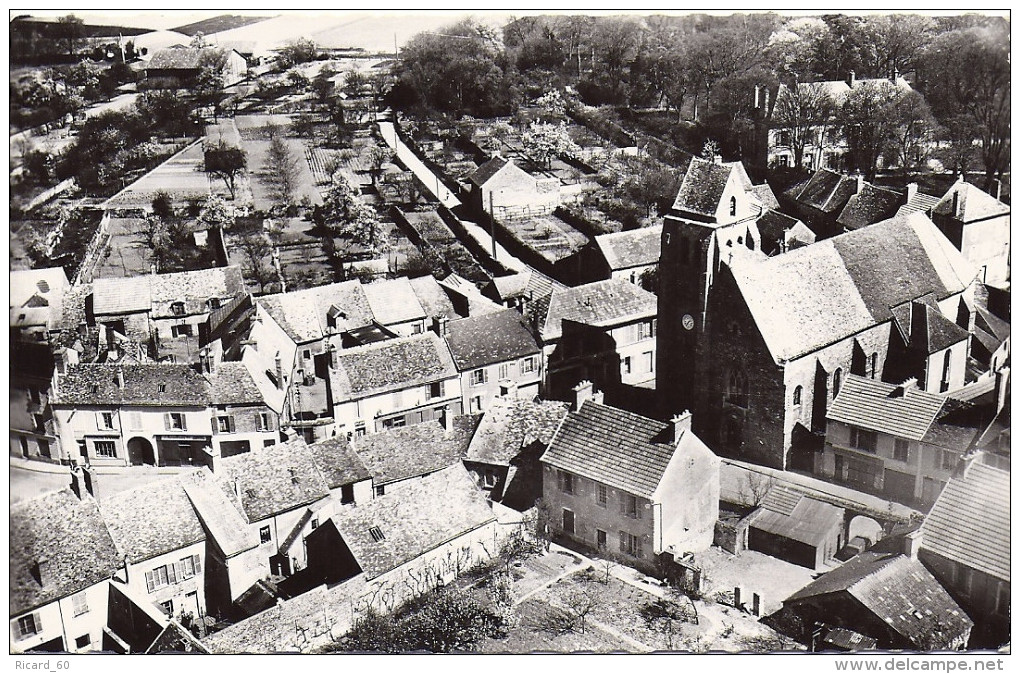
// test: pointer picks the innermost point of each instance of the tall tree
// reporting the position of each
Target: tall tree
(868, 123)
(226, 162)
(71, 29)
(806, 112)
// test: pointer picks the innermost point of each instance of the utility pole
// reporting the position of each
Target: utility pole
(492, 226)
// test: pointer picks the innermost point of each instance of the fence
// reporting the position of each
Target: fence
(91, 256)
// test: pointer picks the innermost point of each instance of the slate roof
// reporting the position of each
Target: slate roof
(486, 171)
(919, 202)
(231, 383)
(433, 299)
(792, 515)
(825, 190)
(529, 283)
(489, 338)
(632, 248)
(969, 522)
(600, 304)
(886, 408)
(302, 313)
(194, 288)
(392, 365)
(872, 204)
(338, 462)
(219, 514)
(702, 187)
(274, 479)
(765, 195)
(613, 446)
(936, 333)
(393, 301)
(94, 384)
(822, 293)
(420, 517)
(120, 296)
(152, 519)
(178, 58)
(900, 592)
(399, 453)
(69, 533)
(774, 227)
(510, 425)
(974, 204)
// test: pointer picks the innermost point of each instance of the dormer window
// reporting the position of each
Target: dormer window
(177, 308)
(376, 533)
(214, 303)
(733, 206)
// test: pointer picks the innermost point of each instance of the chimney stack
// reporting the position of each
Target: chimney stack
(757, 97)
(851, 79)
(912, 543)
(956, 202)
(44, 572)
(447, 420)
(118, 377)
(278, 363)
(681, 424)
(860, 182)
(902, 389)
(911, 191)
(895, 76)
(213, 456)
(582, 393)
(91, 480)
(440, 325)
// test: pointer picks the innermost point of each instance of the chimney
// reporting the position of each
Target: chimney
(912, 543)
(213, 456)
(860, 182)
(440, 325)
(997, 187)
(76, 481)
(756, 604)
(851, 79)
(447, 419)
(895, 76)
(902, 389)
(508, 389)
(681, 423)
(582, 393)
(757, 97)
(918, 322)
(278, 362)
(956, 203)
(44, 572)
(118, 377)
(331, 349)
(911, 191)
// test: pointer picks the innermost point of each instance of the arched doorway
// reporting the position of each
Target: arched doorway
(140, 451)
(866, 528)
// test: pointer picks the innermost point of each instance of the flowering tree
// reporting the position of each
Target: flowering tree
(545, 141)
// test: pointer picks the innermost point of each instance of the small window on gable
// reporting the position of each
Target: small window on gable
(177, 308)
(376, 533)
(837, 382)
(161, 388)
(797, 392)
(214, 303)
(733, 206)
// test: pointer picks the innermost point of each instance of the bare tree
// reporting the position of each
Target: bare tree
(805, 113)
(756, 486)
(257, 252)
(580, 603)
(283, 167)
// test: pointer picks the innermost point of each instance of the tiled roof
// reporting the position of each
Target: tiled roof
(120, 295)
(400, 453)
(413, 520)
(230, 383)
(773, 227)
(936, 333)
(258, 365)
(530, 284)
(70, 535)
(152, 519)
(392, 365)
(433, 298)
(848, 639)
(194, 288)
(338, 462)
(872, 204)
(900, 592)
(819, 294)
(613, 446)
(510, 425)
(803, 519)
(178, 58)
(393, 301)
(826, 191)
(489, 338)
(219, 514)
(154, 384)
(886, 408)
(919, 202)
(599, 304)
(302, 313)
(486, 171)
(973, 204)
(702, 187)
(991, 323)
(970, 523)
(766, 196)
(274, 479)
(633, 248)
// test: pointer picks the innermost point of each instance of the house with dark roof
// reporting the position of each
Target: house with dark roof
(123, 305)
(977, 223)
(345, 473)
(602, 332)
(893, 439)
(499, 184)
(630, 486)
(178, 66)
(504, 451)
(496, 354)
(62, 558)
(965, 543)
(796, 528)
(820, 199)
(529, 287)
(888, 597)
(393, 383)
(410, 541)
(870, 205)
(991, 344)
(781, 232)
(627, 255)
(770, 341)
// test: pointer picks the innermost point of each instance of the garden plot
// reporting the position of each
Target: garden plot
(182, 176)
(547, 235)
(261, 174)
(126, 252)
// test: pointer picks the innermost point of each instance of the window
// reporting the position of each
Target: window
(183, 330)
(489, 480)
(417, 329)
(873, 365)
(837, 381)
(504, 371)
(737, 392)
(160, 577)
(106, 449)
(649, 361)
(29, 625)
(80, 604)
(214, 303)
(862, 439)
(948, 460)
(646, 330)
(167, 606)
(225, 424)
(528, 365)
(629, 507)
(733, 206)
(798, 391)
(600, 539)
(359, 429)
(966, 580)
(566, 481)
(784, 160)
(380, 490)
(436, 390)
(161, 388)
(946, 364)
(265, 535)
(395, 422)
(84, 641)
(475, 404)
(630, 544)
(568, 521)
(306, 355)
(175, 421)
(177, 308)
(135, 421)
(478, 377)
(625, 365)
(601, 495)
(105, 420)
(901, 452)
(264, 422)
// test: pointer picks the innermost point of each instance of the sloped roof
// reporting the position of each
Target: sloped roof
(765, 195)
(512, 424)
(599, 304)
(486, 171)
(489, 338)
(70, 535)
(872, 204)
(155, 384)
(179, 58)
(433, 298)
(969, 522)
(231, 383)
(423, 515)
(614, 447)
(973, 204)
(919, 202)
(257, 366)
(632, 248)
(886, 408)
(900, 592)
(819, 294)
(797, 517)
(120, 295)
(338, 462)
(774, 227)
(392, 365)
(702, 187)
(936, 333)
(219, 514)
(152, 519)
(195, 287)
(393, 301)
(529, 283)
(274, 479)
(399, 453)
(825, 190)
(302, 313)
